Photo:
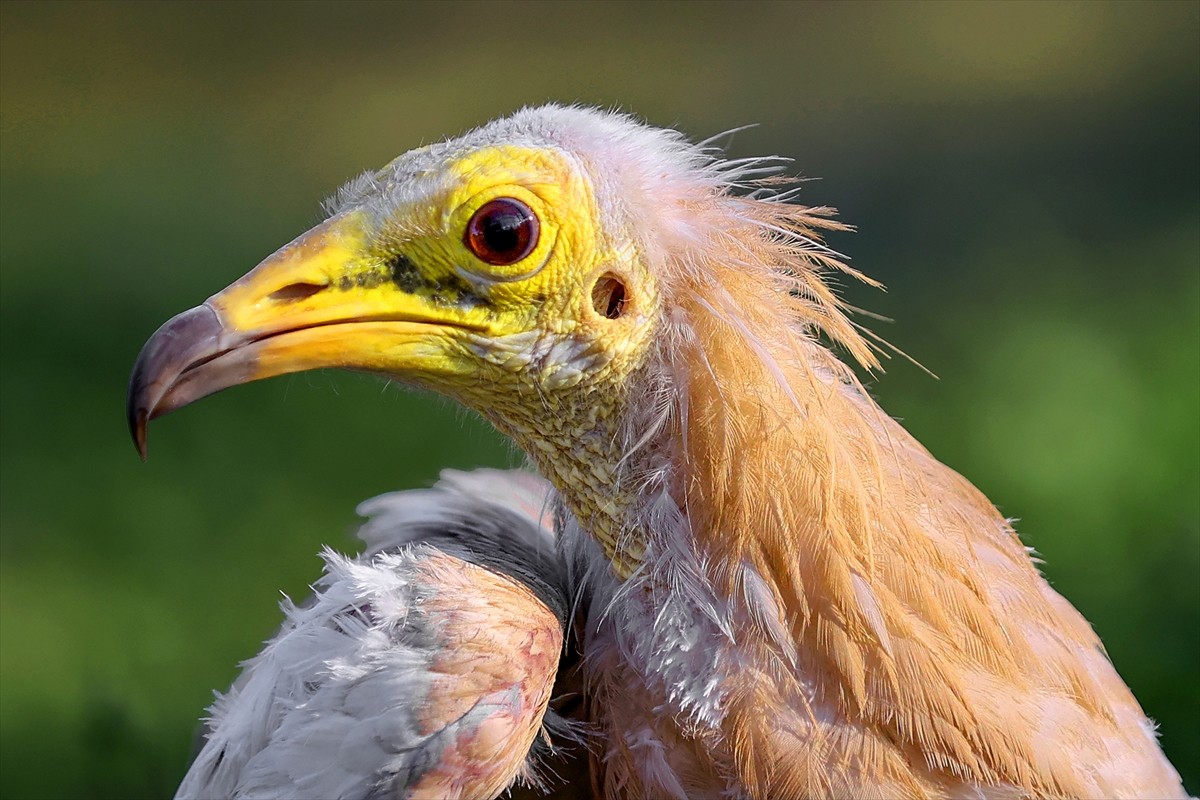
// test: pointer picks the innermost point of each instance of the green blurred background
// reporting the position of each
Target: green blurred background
(1024, 179)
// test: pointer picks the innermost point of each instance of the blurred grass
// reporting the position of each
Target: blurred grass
(1024, 176)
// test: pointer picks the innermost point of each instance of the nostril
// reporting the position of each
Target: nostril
(296, 291)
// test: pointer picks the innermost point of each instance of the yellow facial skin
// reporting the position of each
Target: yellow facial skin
(389, 286)
(353, 270)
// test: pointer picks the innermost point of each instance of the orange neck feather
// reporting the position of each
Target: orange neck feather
(897, 580)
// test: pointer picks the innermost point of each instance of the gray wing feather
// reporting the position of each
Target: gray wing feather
(329, 707)
(502, 520)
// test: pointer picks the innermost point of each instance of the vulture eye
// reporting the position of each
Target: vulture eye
(502, 231)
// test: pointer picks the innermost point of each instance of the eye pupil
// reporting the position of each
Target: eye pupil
(502, 231)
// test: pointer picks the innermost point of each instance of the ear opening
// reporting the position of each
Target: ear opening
(609, 296)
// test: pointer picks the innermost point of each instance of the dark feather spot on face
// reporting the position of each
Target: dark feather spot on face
(446, 290)
(372, 278)
(404, 274)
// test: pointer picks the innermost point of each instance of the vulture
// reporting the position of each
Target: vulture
(773, 589)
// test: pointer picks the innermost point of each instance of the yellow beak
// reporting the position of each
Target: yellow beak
(322, 301)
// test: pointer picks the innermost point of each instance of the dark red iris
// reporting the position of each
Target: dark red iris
(502, 231)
